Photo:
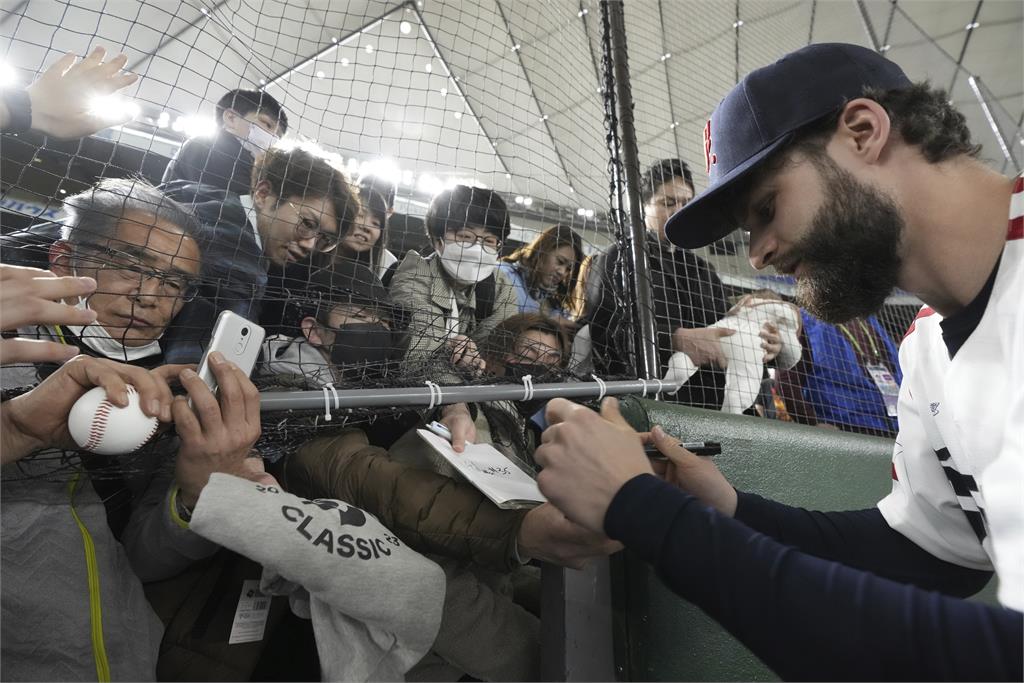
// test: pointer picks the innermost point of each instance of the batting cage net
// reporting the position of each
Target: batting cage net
(439, 202)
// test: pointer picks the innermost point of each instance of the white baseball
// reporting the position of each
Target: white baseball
(98, 426)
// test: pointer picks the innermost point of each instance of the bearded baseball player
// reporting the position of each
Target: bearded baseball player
(854, 180)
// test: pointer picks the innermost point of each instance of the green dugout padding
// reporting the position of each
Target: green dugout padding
(660, 637)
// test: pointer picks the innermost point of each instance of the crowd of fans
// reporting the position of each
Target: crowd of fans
(126, 289)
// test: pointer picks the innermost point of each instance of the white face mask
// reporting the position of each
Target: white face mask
(258, 140)
(468, 265)
(96, 337)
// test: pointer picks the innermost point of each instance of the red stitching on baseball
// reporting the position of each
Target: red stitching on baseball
(98, 427)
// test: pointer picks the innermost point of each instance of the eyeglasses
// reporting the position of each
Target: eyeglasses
(129, 270)
(307, 228)
(468, 238)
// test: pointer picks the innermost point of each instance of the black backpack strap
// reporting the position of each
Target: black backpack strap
(484, 298)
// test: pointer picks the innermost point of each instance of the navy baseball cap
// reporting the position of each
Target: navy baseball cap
(760, 115)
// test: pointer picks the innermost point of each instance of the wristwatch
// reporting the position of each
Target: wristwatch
(19, 109)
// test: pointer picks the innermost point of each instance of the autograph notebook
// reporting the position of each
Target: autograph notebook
(492, 473)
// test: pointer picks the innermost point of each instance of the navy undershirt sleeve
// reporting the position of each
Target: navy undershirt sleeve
(861, 539)
(805, 617)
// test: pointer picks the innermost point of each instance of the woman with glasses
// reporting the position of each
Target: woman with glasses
(466, 227)
(544, 272)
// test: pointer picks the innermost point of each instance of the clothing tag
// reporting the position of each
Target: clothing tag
(887, 386)
(250, 615)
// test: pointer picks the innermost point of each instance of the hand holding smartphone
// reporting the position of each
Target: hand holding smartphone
(238, 339)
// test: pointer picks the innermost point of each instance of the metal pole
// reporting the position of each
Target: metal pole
(335, 399)
(646, 344)
(976, 84)
(869, 28)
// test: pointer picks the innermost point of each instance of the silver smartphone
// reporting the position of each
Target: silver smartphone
(240, 341)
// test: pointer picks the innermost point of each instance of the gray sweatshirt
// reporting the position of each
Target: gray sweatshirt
(375, 603)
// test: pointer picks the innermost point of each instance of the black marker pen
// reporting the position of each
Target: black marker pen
(695, 447)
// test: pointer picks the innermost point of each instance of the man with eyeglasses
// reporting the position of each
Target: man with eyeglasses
(264, 244)
(466, 227)
(144, 251)
(81, 531)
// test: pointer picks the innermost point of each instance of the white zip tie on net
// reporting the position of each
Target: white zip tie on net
(601, 386)
(435, 394)
(527, 387)
(327, 401)
(644, 383)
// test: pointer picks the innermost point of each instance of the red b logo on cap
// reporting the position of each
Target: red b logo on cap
(709, 158)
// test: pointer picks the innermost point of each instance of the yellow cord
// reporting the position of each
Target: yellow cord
(95, 609)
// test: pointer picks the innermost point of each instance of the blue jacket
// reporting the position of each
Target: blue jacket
(840, 390)
(525, 300)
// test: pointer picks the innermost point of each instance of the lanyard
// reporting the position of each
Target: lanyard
(867, 331)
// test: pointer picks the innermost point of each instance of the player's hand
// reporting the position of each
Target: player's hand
(587, 458)
(62, 98)
(694, 474)
(771, 342)
(459, 421)
(39, 418)
(702, 345)
(30, 296)
(465, 353)
(548, 536)
(218, 432)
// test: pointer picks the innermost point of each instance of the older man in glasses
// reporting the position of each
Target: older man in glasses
(142, 248)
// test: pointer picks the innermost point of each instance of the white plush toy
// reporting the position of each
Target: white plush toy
(98, 426)
(743, 349)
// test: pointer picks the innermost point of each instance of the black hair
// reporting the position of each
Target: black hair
(463, 205)
(662, 172)
(304, 172)
(372, 201)
(248, 101)
(385, 188)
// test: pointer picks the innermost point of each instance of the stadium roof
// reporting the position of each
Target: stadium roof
(509, 91)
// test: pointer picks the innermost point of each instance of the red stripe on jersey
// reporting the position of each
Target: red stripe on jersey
(923, 313)
(1016, 229)
(894, 477)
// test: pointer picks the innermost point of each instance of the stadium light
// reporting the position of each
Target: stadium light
(429, 184)
(163, 120)
(8, 76)
(113, 108)
(193, 125)
(405, 27)
(385, 169)
(527, 201)
(369, 49)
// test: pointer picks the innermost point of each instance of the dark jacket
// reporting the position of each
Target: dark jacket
(234, 270)
(219, 162)
(687, 293)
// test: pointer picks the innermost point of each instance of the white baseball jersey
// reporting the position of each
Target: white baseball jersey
(958, 464)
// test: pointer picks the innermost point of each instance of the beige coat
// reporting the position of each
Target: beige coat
(422, 286)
